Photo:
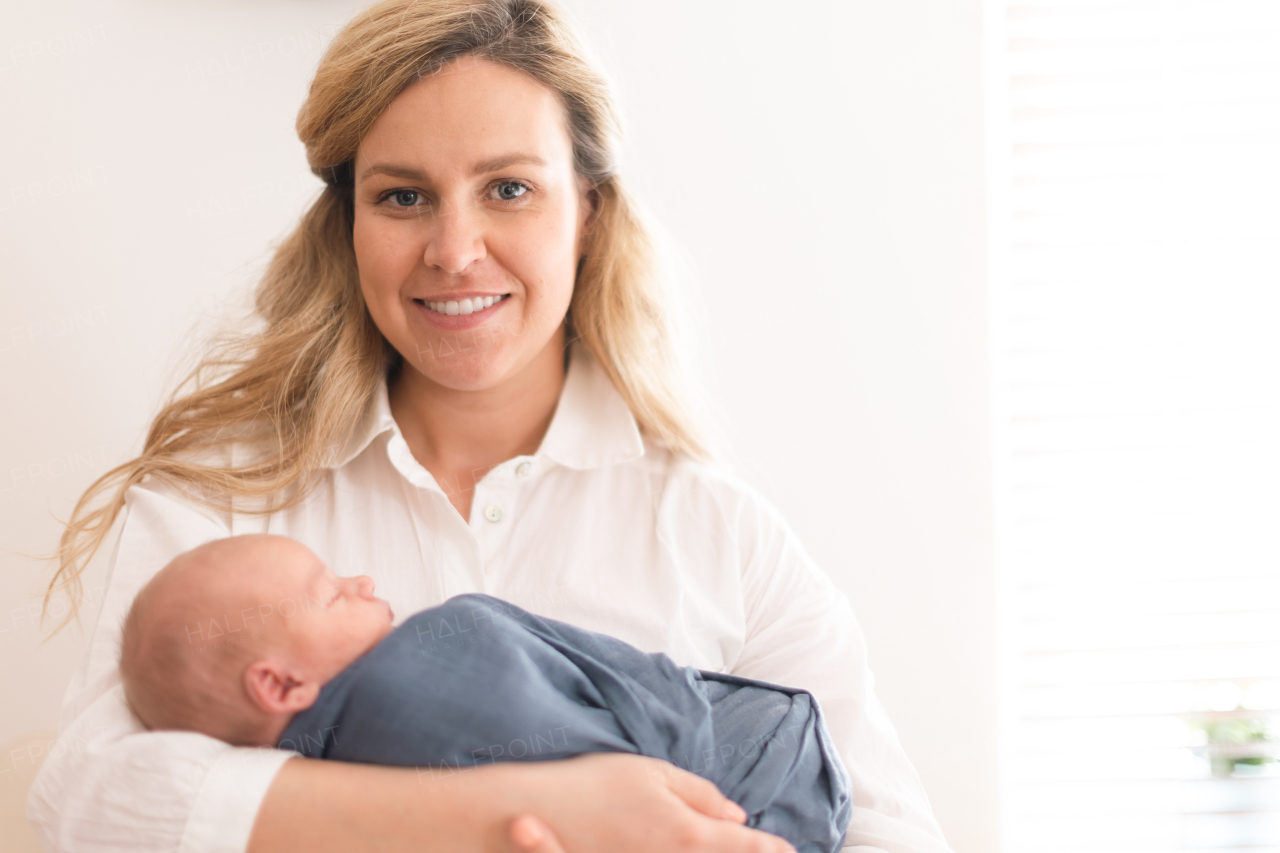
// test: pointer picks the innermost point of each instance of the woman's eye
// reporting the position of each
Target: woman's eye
(405, 198)
(402, 199)
(508, 190)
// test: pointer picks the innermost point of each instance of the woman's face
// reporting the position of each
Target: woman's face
(469, 218)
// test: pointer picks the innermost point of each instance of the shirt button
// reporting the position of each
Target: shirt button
(523, 469)
(493, 512)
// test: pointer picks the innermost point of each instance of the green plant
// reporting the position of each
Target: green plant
(1235, 740)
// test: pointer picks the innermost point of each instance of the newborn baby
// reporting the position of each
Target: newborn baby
(255, 641)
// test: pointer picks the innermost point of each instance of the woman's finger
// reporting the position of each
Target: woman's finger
(530, 835)
(701, 795)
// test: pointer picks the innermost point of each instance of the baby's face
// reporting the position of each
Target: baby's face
(336, 619)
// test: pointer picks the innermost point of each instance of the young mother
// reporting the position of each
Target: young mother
(465, 383)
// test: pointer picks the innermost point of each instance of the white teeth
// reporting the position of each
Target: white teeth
(466, 306)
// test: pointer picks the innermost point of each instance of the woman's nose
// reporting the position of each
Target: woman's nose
(455, 239)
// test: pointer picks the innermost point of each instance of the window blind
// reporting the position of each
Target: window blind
(1137, 377)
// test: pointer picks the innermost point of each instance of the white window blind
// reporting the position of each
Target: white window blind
(1137, 387)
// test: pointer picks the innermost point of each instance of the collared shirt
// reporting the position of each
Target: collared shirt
(598, 528)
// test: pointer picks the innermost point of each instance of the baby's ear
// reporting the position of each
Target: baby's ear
(275, 689)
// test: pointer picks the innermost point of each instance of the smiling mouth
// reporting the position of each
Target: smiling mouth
(462, 306)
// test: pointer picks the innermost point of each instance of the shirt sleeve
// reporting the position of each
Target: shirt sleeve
(801, 631)
(108, 784)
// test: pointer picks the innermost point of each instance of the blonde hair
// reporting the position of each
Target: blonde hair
(296, 389)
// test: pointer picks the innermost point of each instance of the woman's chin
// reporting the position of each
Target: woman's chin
(472, 370)
(485, 358)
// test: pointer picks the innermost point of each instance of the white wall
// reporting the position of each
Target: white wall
(823, 168)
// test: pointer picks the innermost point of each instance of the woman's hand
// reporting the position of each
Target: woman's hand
(633, 804)
(601, 801)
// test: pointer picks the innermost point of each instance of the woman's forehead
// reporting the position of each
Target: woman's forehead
(469, 114)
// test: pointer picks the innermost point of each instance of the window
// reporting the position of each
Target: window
(1136, 363)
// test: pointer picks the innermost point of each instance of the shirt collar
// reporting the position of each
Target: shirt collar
(591, 428)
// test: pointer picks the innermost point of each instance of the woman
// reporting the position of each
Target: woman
(465, 383)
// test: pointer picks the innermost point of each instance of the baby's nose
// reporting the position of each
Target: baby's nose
(364, 586)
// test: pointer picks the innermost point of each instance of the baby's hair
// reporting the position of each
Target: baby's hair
(175, 676)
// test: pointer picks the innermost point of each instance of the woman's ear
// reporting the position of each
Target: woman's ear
(276, 689)
(590, 200)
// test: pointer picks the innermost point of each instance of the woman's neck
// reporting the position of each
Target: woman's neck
(459, 435)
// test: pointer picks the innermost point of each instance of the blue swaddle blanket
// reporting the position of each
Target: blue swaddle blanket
(478, 679)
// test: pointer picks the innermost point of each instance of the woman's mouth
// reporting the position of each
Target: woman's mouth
(462, 306)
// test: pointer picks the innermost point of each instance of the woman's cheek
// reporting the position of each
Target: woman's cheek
(553, 247)
(384, 262)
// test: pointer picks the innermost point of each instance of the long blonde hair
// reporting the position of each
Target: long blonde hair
(296, 389)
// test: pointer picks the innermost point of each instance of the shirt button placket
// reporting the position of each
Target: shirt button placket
(494, 502)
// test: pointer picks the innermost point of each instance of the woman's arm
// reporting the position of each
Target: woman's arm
(802, 632)
(108, 784)
(598, 801)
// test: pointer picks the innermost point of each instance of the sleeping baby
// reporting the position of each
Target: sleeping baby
(255, 641)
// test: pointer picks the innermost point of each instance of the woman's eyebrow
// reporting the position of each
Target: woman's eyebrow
(393, 171)
(493, 164)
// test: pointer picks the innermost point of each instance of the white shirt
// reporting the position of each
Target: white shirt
(598, 528)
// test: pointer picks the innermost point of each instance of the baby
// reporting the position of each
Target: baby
(255, 641)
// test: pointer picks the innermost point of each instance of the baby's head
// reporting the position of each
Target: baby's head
(234, 637)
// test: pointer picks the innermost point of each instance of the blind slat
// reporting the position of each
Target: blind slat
(1140, 442)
